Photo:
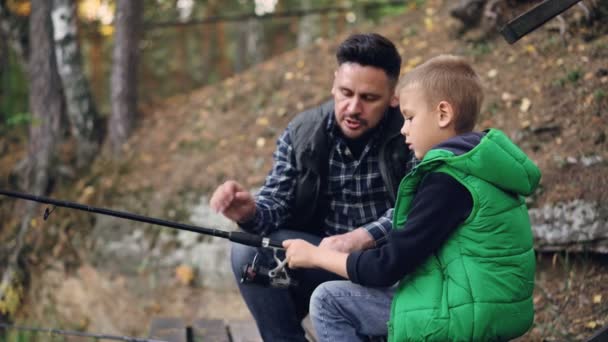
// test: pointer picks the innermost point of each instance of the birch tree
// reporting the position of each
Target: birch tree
(81, 109)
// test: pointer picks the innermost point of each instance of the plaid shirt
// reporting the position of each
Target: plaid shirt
(355, 189)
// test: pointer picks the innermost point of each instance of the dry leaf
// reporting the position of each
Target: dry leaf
(86, 194)
(525, 105)
(184, 274)
(428, 24)
(591, 324)
(263, 121)
(597, 299)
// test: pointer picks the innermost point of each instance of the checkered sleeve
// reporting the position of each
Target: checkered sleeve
(276, 197)
(380, 228)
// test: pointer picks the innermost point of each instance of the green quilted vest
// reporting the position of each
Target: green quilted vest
(478, 286)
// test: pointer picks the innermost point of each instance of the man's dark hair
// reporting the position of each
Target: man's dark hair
(371, 49)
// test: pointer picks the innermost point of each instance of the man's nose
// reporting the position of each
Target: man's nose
(354, 105)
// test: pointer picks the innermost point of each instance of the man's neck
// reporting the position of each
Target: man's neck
(356, 146)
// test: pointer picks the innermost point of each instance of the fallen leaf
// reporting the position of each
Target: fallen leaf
(428, 24)
(263, 121)
(525, 105)
(591, 325)
(597, 299)
(531, 49)
(184, 274)
(260, 142)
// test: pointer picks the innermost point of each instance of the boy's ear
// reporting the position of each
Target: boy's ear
(446, 114)
(394, 101)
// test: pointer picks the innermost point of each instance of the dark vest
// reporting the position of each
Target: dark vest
(311, 146)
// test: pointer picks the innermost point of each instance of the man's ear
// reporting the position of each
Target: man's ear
(445, 114)
(333, 85)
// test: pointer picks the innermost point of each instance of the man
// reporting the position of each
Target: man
(333, 183)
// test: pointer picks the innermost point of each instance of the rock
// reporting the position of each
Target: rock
(574, 226)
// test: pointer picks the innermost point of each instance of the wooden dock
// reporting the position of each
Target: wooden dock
(171, 329)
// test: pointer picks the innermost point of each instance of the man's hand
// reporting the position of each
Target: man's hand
(356, 240)
(233, 201)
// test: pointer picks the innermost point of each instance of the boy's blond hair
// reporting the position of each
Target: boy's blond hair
(449, 78)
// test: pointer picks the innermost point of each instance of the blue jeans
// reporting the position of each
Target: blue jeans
(279, 312)
(344, 311)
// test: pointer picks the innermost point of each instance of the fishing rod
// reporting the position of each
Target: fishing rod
(251, 273)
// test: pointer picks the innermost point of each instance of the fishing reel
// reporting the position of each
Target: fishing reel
(256, 273)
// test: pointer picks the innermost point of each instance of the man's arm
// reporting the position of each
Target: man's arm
(370, 235)
(439, 207)
(274, 201)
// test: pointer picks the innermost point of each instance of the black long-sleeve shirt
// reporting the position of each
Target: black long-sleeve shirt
(440, 205)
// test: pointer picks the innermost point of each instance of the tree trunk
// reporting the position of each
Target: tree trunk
(221, 57)
(45, 98)
(205, 53)
(124, 73)
(308, 28)
(81, 109)
(255, 41)
(250, 46)
(46, 106)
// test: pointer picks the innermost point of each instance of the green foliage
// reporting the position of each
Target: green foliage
(14, 94)
(480, 48)
(599, 94)
(493, 108)
(410, 31)
(376, 13)
(17, 119)
(572, 76)
(18, 336)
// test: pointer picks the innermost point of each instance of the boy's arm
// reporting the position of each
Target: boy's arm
(301, 254)
(440, 205)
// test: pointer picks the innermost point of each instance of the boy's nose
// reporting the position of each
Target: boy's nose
(404, 129)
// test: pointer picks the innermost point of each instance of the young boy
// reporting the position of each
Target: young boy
(461, 246)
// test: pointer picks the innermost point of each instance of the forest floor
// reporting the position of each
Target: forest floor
(548, 92)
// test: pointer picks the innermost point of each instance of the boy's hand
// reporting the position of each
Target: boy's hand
(299, 253)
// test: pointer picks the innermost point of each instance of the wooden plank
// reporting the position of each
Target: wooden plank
(209, 330)
(244, 331)
(168, 329)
